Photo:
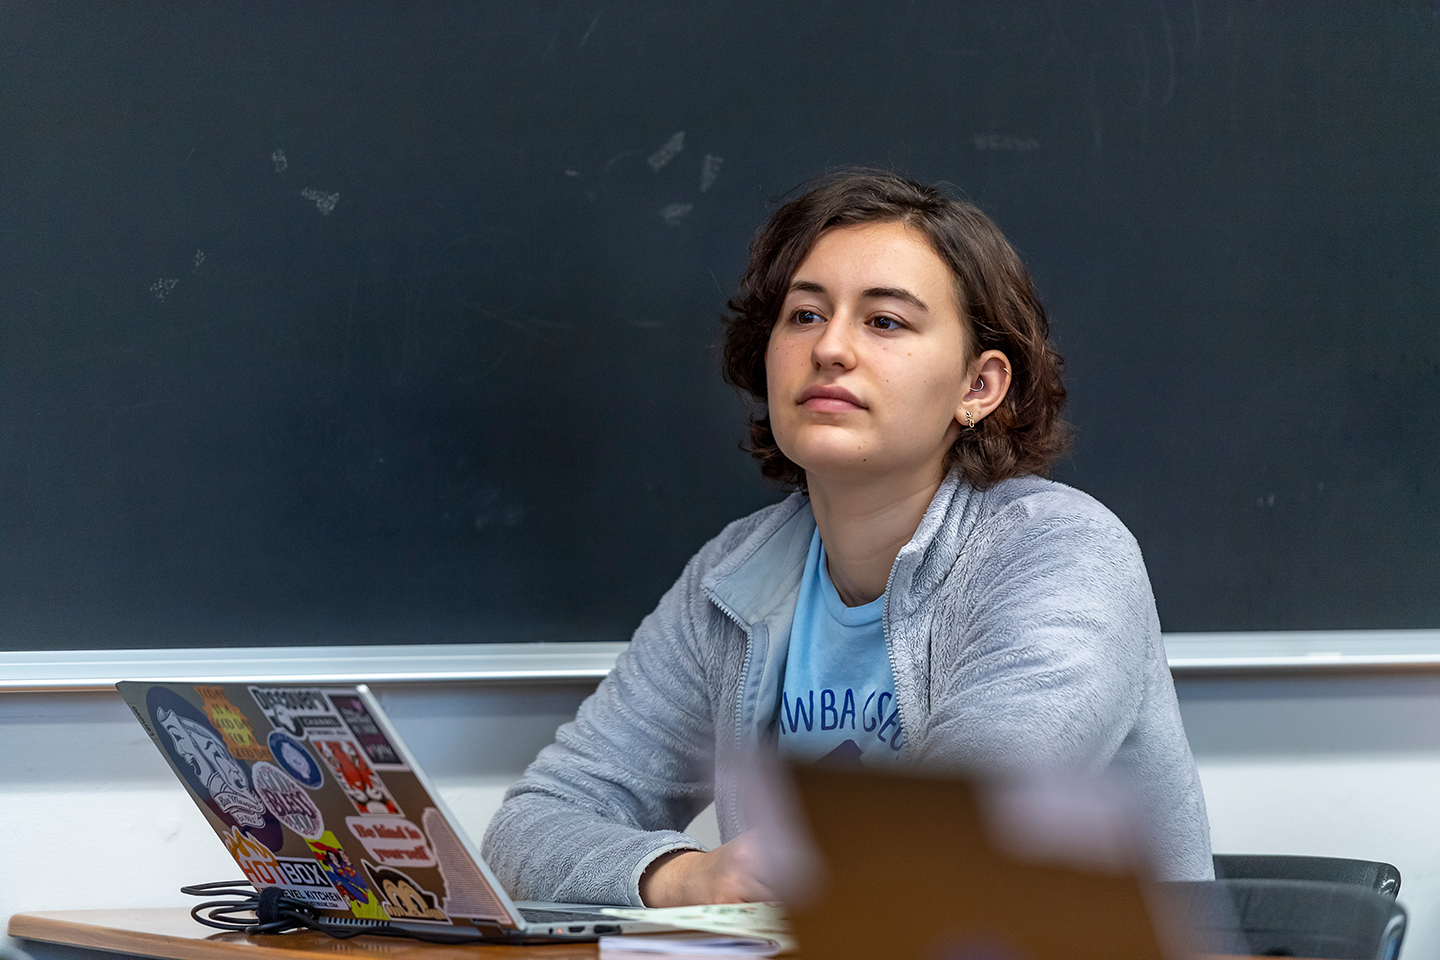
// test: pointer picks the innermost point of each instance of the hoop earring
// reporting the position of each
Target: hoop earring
(969, 419)
(981, 381)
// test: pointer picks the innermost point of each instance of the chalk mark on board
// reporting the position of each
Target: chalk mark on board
(199, 259)
(614, 160)
(710, 171)
(527, 324)
(162, 287)
(667, 152)
(324, 202)
(278, 158)
(673, 214)
(590, 29)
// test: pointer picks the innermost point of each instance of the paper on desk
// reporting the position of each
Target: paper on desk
(762, 921)
(650, 945)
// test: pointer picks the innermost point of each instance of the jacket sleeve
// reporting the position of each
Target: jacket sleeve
(1054, 636)
(608, 796)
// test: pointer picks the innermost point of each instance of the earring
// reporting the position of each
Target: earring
(969, 419)
(981, 381)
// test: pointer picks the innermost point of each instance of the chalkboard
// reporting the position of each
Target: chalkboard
(395, 322)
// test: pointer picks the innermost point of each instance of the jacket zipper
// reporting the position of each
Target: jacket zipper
(735, 824)
(890, 654)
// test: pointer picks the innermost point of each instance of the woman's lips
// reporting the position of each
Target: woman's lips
(824, 399)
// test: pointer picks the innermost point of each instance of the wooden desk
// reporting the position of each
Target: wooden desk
(170, 933)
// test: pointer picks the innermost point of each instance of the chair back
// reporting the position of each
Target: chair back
(1378, 876)
(1294, 918)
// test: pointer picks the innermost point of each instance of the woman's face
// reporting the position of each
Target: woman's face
(866, 365)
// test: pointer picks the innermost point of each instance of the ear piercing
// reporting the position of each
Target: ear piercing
(969, 419)
(981, 381)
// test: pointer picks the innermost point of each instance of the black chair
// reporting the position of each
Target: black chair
(1380, 877)
(1287, 918)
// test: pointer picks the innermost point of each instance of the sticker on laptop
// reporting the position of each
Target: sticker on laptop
(292, 757)
(345, 878)
(300, 711)
(306, 879)
(467, 892)
(206, 764)
(286, 801)
(393, 841)
(380, 752)
(402, 897)
(367, 792)
(227, 718)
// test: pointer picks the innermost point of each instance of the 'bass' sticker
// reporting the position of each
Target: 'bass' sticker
(392, 841)
(299, 711)
(286, 801)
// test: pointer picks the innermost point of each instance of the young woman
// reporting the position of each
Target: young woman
(923, 596)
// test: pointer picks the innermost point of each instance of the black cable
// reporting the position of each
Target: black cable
(272, 911)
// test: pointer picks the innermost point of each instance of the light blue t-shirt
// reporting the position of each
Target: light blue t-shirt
(838, 698)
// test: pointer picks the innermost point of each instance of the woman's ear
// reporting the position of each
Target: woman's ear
(989, 382)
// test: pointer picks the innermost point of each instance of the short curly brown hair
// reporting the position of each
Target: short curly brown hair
(998, 305)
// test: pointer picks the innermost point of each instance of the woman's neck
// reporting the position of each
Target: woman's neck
(863, 526)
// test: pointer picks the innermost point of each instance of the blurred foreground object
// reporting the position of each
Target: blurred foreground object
(913, 866)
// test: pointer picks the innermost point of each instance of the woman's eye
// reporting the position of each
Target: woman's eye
(807, 316)
(886, 323)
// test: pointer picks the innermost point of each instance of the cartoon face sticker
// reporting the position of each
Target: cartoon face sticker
(402, 897)
(361, 784)
(219, 774)
(295, 760)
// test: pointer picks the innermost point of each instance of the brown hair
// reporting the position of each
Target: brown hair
(998, 306)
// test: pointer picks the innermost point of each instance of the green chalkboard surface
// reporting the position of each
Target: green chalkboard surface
(394, 322)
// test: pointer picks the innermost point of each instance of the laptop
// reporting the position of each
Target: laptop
(311, 790)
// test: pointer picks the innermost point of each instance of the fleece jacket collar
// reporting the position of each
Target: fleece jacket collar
(759, 584)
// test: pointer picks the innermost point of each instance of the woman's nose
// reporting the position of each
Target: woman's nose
(836, 345)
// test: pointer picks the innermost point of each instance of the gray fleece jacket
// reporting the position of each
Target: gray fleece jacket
(1023, 637)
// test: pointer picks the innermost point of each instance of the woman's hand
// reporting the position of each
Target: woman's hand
(727, 874)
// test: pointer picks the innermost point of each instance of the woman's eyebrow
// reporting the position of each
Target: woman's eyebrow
(873, 293)
(895, 293)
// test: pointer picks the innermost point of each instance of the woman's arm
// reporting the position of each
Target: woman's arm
(598, 805)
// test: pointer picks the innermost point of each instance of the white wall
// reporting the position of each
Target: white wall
(1335, 765)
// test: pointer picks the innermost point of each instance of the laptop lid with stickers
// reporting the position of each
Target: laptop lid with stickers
(312, 791)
